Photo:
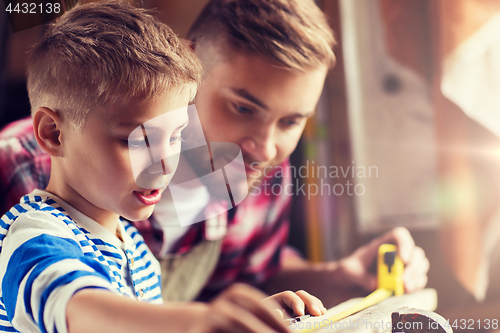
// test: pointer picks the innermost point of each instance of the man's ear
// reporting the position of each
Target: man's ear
(47, 128)
(188, 43)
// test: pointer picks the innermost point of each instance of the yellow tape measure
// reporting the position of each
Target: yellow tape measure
(390, 282)
(390, 269)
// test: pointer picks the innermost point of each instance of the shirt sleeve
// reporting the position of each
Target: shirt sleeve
(41, 267)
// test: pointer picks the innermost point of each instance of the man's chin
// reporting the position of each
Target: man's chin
(254, 183)
(239, 191)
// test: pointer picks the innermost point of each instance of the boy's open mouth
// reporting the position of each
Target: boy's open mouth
(148, 197)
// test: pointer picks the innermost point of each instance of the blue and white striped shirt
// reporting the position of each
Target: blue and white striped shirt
(49, 251)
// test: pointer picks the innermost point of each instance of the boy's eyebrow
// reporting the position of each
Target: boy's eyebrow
(129, 124)
(134, 125)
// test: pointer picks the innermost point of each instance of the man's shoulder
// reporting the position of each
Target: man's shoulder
(24, 166)
(19, 150)
(18, 137)
(17, 128)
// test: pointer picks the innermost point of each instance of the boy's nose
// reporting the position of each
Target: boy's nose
(169, 164)
(164, 166)
(155, 168)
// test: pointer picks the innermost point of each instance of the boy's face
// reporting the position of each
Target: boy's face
(252, 102)
(97, 162)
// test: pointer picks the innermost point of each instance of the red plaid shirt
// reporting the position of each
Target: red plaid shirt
(257, 228)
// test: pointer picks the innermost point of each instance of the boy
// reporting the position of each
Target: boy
(67, 257)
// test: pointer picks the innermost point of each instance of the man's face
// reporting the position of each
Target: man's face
(252, 102)
(97, 162)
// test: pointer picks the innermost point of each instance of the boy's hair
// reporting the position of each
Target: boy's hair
(107, 52)
(295, 33)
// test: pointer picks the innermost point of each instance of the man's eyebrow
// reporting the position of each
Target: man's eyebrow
(246, 95)
(302, 115)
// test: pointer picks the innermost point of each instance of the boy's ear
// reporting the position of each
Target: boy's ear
(47, 129)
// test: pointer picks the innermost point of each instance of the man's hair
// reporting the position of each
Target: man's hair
(295, 33)
(107, 52)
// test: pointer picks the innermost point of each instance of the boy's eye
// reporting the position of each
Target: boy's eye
(135, 144)
(175, 139)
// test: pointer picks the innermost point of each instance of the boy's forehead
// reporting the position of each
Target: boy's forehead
(131, 114)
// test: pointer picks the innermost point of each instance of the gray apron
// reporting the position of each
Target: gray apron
(183, 276)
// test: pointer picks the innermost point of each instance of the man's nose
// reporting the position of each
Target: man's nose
(261, 147)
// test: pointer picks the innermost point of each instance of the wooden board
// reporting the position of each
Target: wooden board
(376, 319)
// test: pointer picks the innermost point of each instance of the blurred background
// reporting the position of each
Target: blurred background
(410, 115)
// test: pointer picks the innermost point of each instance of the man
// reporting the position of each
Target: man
(266, 62)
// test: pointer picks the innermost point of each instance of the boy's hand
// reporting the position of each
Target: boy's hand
(240, 309)
(298, 302)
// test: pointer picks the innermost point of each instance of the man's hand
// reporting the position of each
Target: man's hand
(356, 268)
(337, 281)
(298, 303)
(240, 309)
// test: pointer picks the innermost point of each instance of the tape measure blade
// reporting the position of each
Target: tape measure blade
(375, 297)
(372, 299)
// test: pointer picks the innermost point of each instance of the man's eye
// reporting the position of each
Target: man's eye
(289, 122)
(243, 109)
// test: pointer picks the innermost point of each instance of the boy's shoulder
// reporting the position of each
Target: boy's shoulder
(42, 222)
(37, 213)
(36, 203)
